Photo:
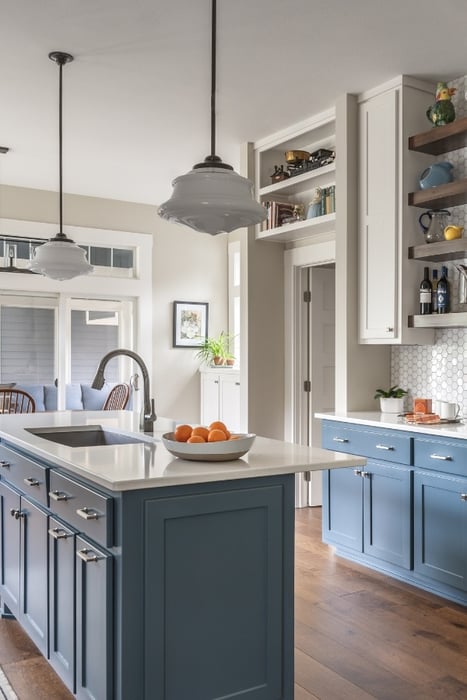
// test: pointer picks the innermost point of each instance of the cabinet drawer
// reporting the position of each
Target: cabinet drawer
(390, 445)
(441, 454)
(31, 478)
(87, 510)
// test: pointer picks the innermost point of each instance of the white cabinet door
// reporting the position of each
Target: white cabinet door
(378, 216)
(229, 402)
(209, 398)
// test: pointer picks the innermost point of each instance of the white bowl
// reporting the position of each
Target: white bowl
(221, 451)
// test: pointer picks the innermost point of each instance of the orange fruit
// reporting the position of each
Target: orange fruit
(216, 435)
(196, 438)
(183, 432)
(201, 432)
(218, 425)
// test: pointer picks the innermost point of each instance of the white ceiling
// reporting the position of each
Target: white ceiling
(137, 96)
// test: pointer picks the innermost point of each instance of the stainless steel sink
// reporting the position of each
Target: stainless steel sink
(83, 436)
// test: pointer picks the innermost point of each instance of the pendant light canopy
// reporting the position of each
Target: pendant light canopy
(60, 258)
(212, 198)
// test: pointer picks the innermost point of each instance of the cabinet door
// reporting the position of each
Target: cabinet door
(10, 548)
(387, 513)
(440, 528)
(62, 601)
(94, 618)
(378, 223)
(33, 568)
(342, 508)
(209, 398)
(229, 402)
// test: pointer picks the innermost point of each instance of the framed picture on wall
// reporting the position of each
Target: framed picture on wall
(190, 323)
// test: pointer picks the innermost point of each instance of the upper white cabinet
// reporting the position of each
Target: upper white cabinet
(311, 135)
(388, 285)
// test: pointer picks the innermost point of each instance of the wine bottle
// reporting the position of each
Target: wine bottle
(442, 292)
(425, 293)
(434, 293)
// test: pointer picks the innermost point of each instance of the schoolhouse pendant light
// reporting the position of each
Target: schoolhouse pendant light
(60, 258)
(212, 198)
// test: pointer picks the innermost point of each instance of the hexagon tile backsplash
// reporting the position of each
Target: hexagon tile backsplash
(439, 371)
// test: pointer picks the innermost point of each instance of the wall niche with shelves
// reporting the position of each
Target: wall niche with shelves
(311, 135)
(438, 141)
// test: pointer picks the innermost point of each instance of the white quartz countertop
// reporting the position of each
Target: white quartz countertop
(392, 420)
(149, 464)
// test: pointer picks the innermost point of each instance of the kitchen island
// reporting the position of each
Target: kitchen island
(140, 575)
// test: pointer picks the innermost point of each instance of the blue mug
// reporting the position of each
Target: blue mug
(437, 174)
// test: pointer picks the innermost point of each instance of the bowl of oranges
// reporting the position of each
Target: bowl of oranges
(214, 443)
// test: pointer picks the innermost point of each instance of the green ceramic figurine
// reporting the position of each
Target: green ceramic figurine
(442, 112)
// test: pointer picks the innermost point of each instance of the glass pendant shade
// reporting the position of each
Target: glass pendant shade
(60, 259)
(212, 200)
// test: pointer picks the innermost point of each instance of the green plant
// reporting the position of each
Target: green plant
(394, 392)
(216, 350)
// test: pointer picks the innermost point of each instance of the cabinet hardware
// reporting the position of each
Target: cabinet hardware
(30, 481)
(87, 513)
(17, 514)
(4, 463)
(87, 555)
(357, 472)
(444, 458)
(366, 475)
(58, 496)
(385, 447)
(338, 439)
(216, 381)
(237, 383)
(58, 534)
(463, 496)
(389, 329)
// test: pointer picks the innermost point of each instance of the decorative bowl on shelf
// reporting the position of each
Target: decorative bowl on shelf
(296, 157)
(221, 451)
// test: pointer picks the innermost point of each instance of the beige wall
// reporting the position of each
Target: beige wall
(187, 266)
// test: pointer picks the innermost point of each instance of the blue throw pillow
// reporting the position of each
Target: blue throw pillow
(94, 399)
(37, 393)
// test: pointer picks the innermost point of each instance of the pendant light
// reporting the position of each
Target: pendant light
(60, 258)
(212, 198)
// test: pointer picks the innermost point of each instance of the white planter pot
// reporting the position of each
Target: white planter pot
(391, 405)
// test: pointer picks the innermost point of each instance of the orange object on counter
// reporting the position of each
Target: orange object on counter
(422, 405)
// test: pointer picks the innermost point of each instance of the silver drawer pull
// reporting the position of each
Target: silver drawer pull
(366, 475)
(463, 496)
(4, 463)
(58, 534)
(444, 458)
(385, 447)
(87, 513)
(338, 439)
(357, 472)
(17, 514)
(30, 481)
(58, 496)
(87, 555)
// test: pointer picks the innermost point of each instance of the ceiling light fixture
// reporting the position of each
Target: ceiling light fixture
(212, 198)
(60, 258)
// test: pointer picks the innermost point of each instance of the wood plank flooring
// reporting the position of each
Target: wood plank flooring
(358, 636)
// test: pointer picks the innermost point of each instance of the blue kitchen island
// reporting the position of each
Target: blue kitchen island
(141, 576)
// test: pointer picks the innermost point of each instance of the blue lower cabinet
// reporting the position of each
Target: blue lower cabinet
(387, 513)
(94, 622)
(62, 601)
(218, 607)
(343, 508)
(440, 517)
(10, 554)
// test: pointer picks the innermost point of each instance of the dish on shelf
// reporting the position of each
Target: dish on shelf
(221, 451)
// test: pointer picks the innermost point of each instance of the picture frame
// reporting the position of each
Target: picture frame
(190, 323)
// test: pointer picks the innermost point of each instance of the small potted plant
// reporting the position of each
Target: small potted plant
(216, 351)
(391, 400)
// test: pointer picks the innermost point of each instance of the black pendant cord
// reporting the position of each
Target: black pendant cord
(213, 78)
(60, 147)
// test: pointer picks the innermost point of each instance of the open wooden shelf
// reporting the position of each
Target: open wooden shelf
(453, 320)
(450, 195)
(441, 139)
(442, 250)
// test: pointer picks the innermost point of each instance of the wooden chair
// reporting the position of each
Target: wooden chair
(16, 401)
(118, 398)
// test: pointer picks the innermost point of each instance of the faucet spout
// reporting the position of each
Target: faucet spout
(99, 379)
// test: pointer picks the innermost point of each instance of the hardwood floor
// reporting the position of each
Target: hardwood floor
(359, 635)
